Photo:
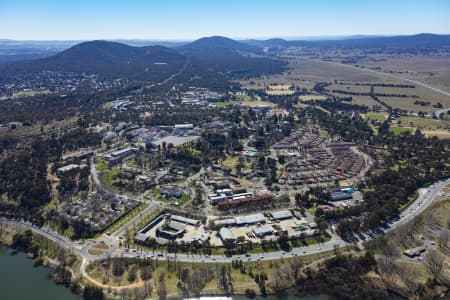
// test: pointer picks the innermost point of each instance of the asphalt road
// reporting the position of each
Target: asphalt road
(424, 199)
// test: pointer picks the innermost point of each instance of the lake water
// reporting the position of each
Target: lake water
(20, 280)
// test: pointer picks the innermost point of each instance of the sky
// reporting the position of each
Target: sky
(191, 19)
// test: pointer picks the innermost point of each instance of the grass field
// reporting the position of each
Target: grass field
(225, 103)
(100, 164)
(255, 103)
(400, 130)
(109, 176)
(311, 97)
(98, 249)
(230, 162)
(379, 117)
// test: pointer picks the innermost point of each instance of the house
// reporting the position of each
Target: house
(413, 252)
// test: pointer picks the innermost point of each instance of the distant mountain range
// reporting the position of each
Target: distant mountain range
(212, 58)
(423, 40)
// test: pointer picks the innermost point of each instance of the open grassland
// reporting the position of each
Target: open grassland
(433, 70)
(349, 88)
(442, 134)
(406, 104)
(423, 123)
(363, 100)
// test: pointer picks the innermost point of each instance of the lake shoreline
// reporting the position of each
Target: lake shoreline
(19, 270)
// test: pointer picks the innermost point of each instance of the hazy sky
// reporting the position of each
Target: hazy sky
(189, 19)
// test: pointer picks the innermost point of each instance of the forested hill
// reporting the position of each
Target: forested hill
(216, 58)
(207, 57)
(109, 59)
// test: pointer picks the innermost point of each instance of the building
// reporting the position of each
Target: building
(120, 154)
(201, 238)
(69, 168)
(262, 231)
(250, 219)
(281, 215)
(184, 126)
(260, 199)
(226, 235)
(185, 220)
(339, 196)
(171, 230)
(78, 156)
(413, 252)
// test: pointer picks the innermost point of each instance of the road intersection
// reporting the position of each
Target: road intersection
(424, 199)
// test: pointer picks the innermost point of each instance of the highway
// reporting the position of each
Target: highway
(425, 197)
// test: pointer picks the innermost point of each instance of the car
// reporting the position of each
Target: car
(261, 257)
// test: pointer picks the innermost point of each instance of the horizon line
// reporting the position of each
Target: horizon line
(305, 37)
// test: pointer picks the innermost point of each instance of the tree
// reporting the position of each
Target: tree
(435, 263)
(162, 289)
(93, 293)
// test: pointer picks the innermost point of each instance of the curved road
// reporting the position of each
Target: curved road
(424, 199)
